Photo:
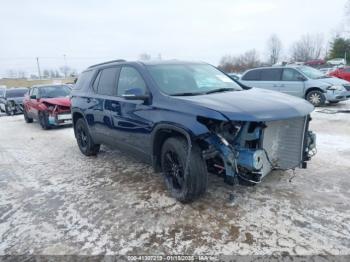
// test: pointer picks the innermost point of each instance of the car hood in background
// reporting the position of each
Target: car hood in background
(17, 100)
(61, 101)
(333, 81)
(253, 105)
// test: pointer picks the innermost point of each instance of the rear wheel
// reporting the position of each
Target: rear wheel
(184, 186)
(316, 98)
(84, 140)
(26, 117)
(44, 120)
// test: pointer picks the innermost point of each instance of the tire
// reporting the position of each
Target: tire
(26, 117)
(316, 98)
(44, 120)
(84, 140)
(184, 187)
(7, 111)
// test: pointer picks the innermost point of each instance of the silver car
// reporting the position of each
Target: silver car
(301, 81)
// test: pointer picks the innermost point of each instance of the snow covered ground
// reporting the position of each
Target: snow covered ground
(54, 200)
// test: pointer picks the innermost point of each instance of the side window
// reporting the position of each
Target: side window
(107, 81)
(97, 80)
(272, 74)
(347, 69)
(252, 75)
(35, 92)
(129, 78)
(290, 75)
(84, 79)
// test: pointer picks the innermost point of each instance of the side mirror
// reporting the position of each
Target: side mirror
(33, 97)
(135, 94)
(301, 78)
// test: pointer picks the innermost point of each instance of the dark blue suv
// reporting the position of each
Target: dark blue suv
(189, 119)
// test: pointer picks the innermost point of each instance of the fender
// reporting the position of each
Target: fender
(187, 133)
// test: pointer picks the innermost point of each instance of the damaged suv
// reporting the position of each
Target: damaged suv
(188, 120)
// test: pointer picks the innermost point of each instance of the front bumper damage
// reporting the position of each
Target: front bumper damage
(256, 148)
(14, 107)
(58, 116)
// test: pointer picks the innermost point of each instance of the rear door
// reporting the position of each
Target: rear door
(293, 83)
(271, 78)
(104, 88)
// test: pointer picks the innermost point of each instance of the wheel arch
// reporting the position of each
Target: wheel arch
(161, 133)
(313, 89)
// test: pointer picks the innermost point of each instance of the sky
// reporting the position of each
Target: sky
(91, 31)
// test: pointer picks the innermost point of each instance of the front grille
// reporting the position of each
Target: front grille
(283, 142)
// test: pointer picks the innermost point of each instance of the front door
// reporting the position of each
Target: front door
(292, 83)
(129, 118)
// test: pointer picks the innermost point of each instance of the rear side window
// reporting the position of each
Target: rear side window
(290, 75)
(273, 74)
(252, 75)
(83, 80)
(108, 81)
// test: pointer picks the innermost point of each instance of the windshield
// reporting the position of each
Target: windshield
(191, 79)
(312, 72)
(54, 91)
(16, 93)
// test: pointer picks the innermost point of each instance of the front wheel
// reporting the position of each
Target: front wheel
(84, 140)
(316, 98)
(184, 186)
(44, 120)
(26, 117)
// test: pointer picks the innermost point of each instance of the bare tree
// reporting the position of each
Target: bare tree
(274, 48)
(249, 59)
(307, 48)
(66, 70)
(144, 57)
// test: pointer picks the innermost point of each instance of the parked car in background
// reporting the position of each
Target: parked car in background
(337, 61)
(315, 62)
(341, 72)
(49, 104)
(11, 100)
(234, 76)
(301, 81)
(190, 118)
(326, 70)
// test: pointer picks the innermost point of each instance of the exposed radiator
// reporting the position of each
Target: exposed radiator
(283, 142)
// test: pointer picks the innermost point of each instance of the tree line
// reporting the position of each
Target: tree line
(308, 47)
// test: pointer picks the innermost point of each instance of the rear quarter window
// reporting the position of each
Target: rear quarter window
(83, 80)
(252, 75)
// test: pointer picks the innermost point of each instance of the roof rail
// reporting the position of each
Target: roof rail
(108, 62)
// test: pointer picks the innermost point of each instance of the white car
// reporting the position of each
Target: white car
(337, 61)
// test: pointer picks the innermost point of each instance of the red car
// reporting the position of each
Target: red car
(341, 72)
(49, 105)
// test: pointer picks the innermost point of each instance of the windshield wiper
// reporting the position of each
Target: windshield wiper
(220, 90)
(188, 94)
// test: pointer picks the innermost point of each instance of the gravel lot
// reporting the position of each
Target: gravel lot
(54, 200)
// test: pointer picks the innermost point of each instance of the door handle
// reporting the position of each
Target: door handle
(88, 99)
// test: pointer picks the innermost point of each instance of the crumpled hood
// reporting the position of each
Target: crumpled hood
(253, 105)
(61, 101)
